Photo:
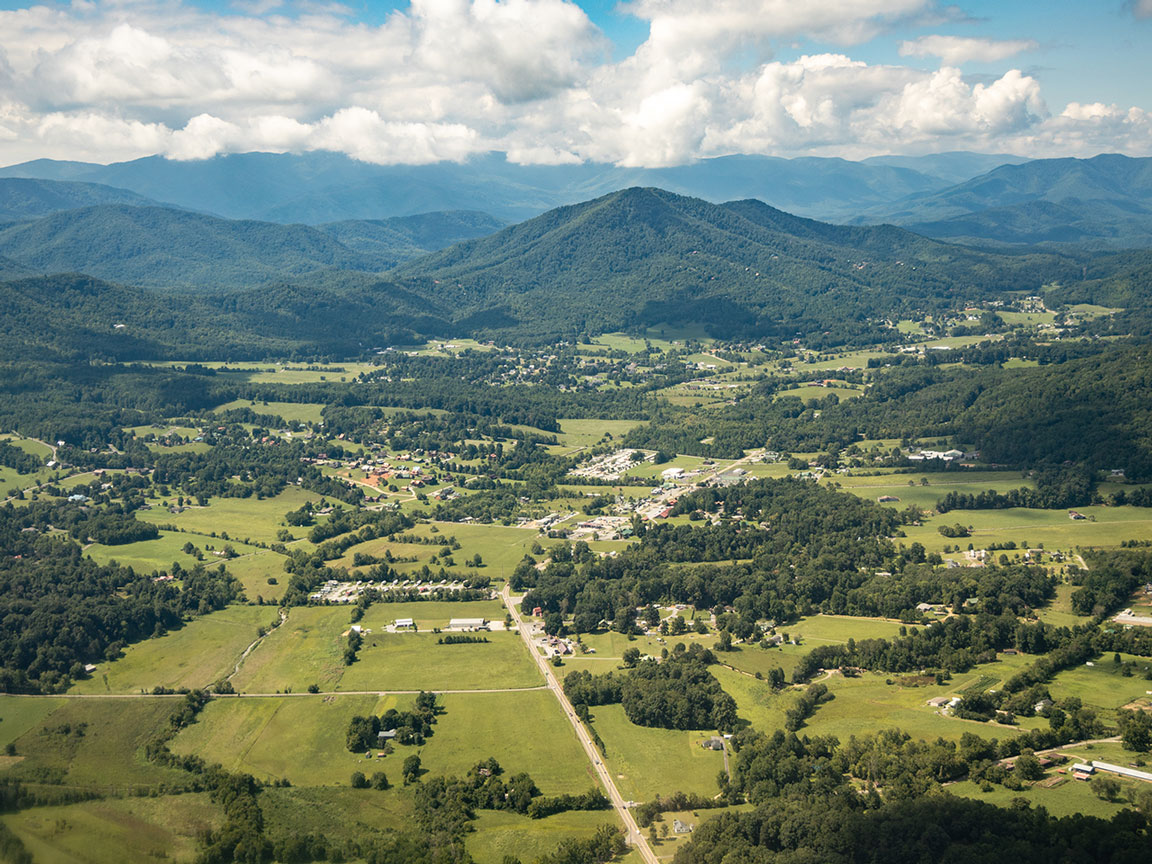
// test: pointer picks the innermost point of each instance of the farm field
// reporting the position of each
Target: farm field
(291, 412)
(645, 762)
(499, 834)
(249, 734)
(203, 651)
(1103, 684)
(149, 555)
(94, 743)
(243, 519)
(308, 649)
(114, 830)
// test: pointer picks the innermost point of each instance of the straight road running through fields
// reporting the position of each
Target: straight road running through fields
(635, 839)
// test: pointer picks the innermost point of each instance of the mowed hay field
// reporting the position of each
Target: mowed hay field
(499, 834)
(646, 762)
(115, 830)
(301, 738)
(309, 647)
(200, 653)
(242, 518)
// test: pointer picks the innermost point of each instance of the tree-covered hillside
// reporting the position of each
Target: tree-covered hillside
(645, 256)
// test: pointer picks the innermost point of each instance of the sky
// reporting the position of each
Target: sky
(646, 83)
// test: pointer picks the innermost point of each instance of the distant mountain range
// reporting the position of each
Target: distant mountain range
(319, 187)
(971, 198)
(632, 259)
(1103, 201)
(158, 247)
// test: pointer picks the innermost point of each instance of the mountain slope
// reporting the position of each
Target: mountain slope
(1106, 200)
(23, 198)
(403, 238)
(645, 256)
(160, 247)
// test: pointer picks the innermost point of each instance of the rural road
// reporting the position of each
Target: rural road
(635, 839)
(271, 695)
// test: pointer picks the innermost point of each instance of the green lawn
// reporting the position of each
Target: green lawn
(200, 653)
(1071, 797)
(115, 830)
(256, 569)
(584, 433)
(647, 761)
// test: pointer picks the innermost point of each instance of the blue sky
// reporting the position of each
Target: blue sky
(650, 82)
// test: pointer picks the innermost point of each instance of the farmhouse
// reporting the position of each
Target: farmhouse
(679, 827)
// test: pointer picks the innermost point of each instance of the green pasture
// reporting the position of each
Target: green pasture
(339, 813)
(256, 569)
(1013, 319)
(18, 714)
(292, 412)
(106, 754)
(114, 830)
(301, 738)
(1067, 799)
(146, 556)
(1105, 527)
(525, 731)
(808, 393)
(499, 834)
(1102, 683)
(585, 433)
(253, 518)
(911, 491)
(200, 653)
(1059, 612)
(646, 761)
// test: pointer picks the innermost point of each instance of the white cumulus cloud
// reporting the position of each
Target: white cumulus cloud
(956, 50)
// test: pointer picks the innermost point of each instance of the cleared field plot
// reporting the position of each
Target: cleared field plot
(97, 743)
(939, 485)
(292, 412)
(807, 394)
(1103, 683)
(256, 569)
(28, 445)
(301, 738)
(200, 653)
(338, 814)
(18, 715)
(158, 554)
(524, 731)
(241, 518)
(1071, 797)
(117, 830)
(1053, 528)
(308, 649)
(584, 433)
(499, 834)
(1059, 612)
(647, 761)
(688, 463)
(411, 661)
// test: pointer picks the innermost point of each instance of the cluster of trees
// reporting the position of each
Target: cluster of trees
(412, 727)
(677, 692)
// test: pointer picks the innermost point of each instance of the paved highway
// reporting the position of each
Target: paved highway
(635, 839)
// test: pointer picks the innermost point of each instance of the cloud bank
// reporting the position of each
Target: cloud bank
(443, 79)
